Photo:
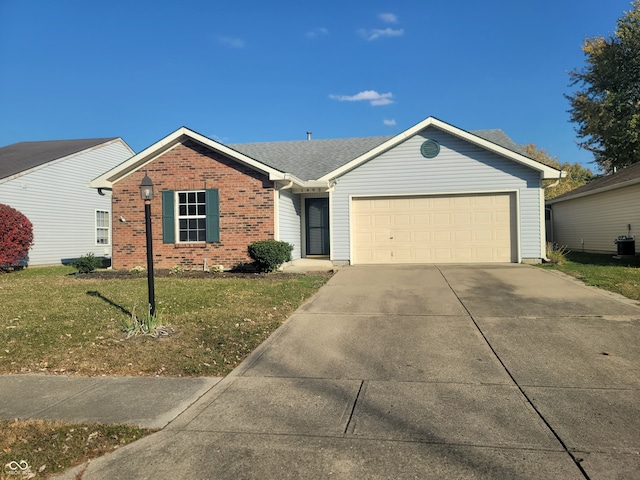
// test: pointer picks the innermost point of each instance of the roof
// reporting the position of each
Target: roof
(23, 156)
(309, 159)
(622, 178)
(307, 162)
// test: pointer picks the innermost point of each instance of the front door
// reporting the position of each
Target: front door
(317, 219)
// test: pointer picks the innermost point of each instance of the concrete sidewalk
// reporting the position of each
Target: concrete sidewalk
(150, 402)
(503, 371)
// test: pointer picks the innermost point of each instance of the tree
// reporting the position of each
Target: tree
(577, 175)
(606, 105)
(16, 236)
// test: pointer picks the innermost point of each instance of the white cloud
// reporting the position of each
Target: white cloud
(380, 32)
(388, 17)
(232, 42)
(371, 96)
(317, 32)
(390, 122)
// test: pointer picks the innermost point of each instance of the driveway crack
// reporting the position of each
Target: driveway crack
(577, 461)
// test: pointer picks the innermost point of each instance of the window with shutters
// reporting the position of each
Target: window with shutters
(190, 216)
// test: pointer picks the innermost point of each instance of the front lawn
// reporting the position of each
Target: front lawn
(619, 275)
(54, 322)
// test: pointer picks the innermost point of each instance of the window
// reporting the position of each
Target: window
(190, 216)
(103, 227)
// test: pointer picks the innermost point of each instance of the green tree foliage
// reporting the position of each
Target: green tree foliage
(606, 105)
(577, 175)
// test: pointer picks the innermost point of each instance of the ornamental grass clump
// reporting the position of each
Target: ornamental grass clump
(268, 255)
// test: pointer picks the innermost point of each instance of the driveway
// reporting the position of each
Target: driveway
(504, 371)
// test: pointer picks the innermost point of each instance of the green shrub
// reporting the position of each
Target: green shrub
(268, 255)
(87, 263)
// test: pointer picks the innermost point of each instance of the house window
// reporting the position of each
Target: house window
(192, 215)
(103, 227)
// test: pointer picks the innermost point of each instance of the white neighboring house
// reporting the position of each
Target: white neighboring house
(590, 218)
(47, 182)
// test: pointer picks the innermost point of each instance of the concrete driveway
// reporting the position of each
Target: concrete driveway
(452, 371)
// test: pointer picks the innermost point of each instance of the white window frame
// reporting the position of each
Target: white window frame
(179, 217)
(99, 228)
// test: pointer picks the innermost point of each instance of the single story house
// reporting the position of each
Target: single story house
(47, 182)
(433, 193)
(592, 217)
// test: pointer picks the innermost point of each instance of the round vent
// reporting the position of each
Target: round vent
(430, 148)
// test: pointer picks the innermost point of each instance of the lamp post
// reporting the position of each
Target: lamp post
(146, 193)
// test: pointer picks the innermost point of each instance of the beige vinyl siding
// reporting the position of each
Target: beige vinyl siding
(597, 219)
(459, 168)
(62, 209)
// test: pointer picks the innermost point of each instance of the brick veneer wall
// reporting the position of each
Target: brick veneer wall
(246, 209)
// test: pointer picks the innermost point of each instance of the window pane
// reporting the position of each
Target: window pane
(202, 210)
(183, 224)
(193, 235)
(202, 224)
(191, 197)
(193, 224)
(183, 236)
(201, 197)
(182, 197)
(182, 210)
(191, 210)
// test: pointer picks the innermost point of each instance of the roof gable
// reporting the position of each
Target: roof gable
(622, 178)
(21, 157)
(506, 147)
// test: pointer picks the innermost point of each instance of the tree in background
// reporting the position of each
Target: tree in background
(16, 236)
(577, 175)
(606, 106)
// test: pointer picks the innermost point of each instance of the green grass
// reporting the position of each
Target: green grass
(54, 322)
(619, 275)
(50, 447)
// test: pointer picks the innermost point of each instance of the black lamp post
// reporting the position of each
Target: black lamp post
(146, 192)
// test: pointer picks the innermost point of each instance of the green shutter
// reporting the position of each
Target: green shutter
(213, 215)
(168, 220)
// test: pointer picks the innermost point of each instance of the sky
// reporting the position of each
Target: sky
(256, 71)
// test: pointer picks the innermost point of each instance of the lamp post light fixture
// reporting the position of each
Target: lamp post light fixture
(146, 193)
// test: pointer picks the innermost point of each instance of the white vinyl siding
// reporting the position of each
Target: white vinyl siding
(62, 209)
(598, 219)
(459, 168)
(289, 219)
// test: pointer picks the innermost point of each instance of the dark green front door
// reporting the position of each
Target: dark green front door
(317, 218)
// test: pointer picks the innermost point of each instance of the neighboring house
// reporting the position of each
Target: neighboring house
(47, 182)
(592, 217)
(433, 193)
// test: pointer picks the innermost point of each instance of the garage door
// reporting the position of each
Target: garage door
(434, 229)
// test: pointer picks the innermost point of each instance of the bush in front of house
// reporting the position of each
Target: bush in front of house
(268, 255)
(87, 263)
(16, 236)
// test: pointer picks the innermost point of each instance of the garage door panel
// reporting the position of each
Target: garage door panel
(454, 228)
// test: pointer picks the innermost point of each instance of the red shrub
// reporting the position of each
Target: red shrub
(16, 236)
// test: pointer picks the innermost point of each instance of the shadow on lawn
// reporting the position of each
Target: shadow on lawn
(604, 259)
(95, 293)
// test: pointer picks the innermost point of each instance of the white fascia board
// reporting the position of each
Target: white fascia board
(149, 154)
(547, 172)
(628, 183)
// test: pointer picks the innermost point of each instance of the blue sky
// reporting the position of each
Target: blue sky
(250, 71)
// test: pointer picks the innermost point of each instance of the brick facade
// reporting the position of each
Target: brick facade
(246, 209)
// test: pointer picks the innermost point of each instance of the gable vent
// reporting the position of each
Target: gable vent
(430, 148)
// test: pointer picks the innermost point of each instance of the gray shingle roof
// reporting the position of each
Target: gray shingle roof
(627, 174)
(309, 159)
(22, 156)
(312, 159)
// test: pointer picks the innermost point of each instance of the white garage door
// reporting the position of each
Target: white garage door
(434, 229)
